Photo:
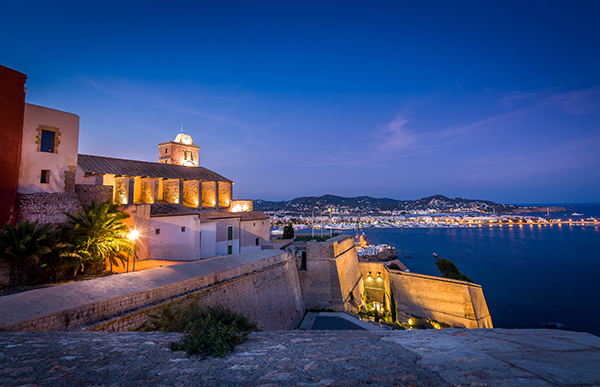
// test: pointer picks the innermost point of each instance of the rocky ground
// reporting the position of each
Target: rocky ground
(306, 358)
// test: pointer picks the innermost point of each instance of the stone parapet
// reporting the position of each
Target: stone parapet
(458, 303)
(262, 285)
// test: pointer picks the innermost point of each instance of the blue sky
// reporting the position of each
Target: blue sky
(402, 99)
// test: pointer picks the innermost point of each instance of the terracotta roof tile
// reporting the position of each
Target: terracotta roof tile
(108, 165)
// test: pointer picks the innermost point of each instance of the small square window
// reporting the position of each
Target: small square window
(157, 231)
(183, 229)
(45, 177)
(47, 143)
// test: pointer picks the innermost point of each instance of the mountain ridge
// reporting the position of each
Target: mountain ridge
(368, 204)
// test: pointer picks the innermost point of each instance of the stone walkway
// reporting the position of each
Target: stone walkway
(300, 358)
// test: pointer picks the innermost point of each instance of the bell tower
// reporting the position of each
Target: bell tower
(180, 151)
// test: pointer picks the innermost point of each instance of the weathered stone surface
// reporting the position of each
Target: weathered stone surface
(46, 207)
(400, 358)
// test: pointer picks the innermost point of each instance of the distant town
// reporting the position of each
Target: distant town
(332, 212)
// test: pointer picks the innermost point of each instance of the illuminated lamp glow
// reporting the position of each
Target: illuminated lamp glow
(133, 234)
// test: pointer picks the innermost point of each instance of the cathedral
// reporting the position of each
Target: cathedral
(181, 210)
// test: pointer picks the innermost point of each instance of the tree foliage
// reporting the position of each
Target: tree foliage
(99, 234)
(288, 231)
(22, 247)
(449, 270)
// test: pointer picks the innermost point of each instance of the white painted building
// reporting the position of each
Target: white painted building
(48, 151)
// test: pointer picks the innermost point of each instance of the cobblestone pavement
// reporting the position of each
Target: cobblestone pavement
(450, 357)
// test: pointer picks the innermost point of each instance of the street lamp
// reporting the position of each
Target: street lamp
(133, 235)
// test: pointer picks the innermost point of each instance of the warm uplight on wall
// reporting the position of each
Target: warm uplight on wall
(369, 277)
(379, 279)
(124, 201)
(239, 208)
(213, 202)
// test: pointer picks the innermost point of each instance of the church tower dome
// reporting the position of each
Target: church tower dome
(180, 151)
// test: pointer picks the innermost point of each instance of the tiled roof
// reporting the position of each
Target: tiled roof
(107, 165)
(170, 209)
(253, 215)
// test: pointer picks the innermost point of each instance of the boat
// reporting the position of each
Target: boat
(576, 214)
(435, 255)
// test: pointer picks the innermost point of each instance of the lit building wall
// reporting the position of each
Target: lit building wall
(209, 194)
(148, 190)
(191, 193)
(225, 194)
(121, 190)
(171, 190)
(238, 205)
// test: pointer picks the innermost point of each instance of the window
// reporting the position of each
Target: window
(45, 178)
(230, 250)
(157, 232)
(257, 241)
(229, 233)
(183, 229)
(254, 224)
(47, 141)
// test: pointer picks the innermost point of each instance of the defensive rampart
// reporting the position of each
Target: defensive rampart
(332, 279)
(458, 303)
(263, 285)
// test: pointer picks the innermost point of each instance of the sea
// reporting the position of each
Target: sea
(531, 275)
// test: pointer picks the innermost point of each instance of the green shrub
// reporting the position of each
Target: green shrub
(22, 248)
(209, 331)
(288, 231)
(449, 270)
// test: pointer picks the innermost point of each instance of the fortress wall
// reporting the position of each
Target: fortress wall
(332, 273)
(458, 303)
(263, 285)
(378, 290)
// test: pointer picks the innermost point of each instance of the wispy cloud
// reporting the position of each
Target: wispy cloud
(583, 101)
(395, 136)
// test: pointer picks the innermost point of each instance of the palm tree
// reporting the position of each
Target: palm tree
(99, 235)
(21, 248)
(63, 254)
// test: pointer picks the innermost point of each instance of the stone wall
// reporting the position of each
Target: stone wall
(171, 191)
(209, 194)
(331, 274)
(224, 194)
(88, 193)
(460, 304)
(46, 207)
(191, 193)
(262, 285)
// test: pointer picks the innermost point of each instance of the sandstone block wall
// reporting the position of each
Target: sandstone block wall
(88, 193)
(262, 285)
(209, 194)
(458, 303)
(331, 274)
(46, 207)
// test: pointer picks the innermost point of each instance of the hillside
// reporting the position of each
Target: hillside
(368, 204)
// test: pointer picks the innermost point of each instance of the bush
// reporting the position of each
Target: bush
(288, 231)
(22, 248)
(449, 270)
(210, 331)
